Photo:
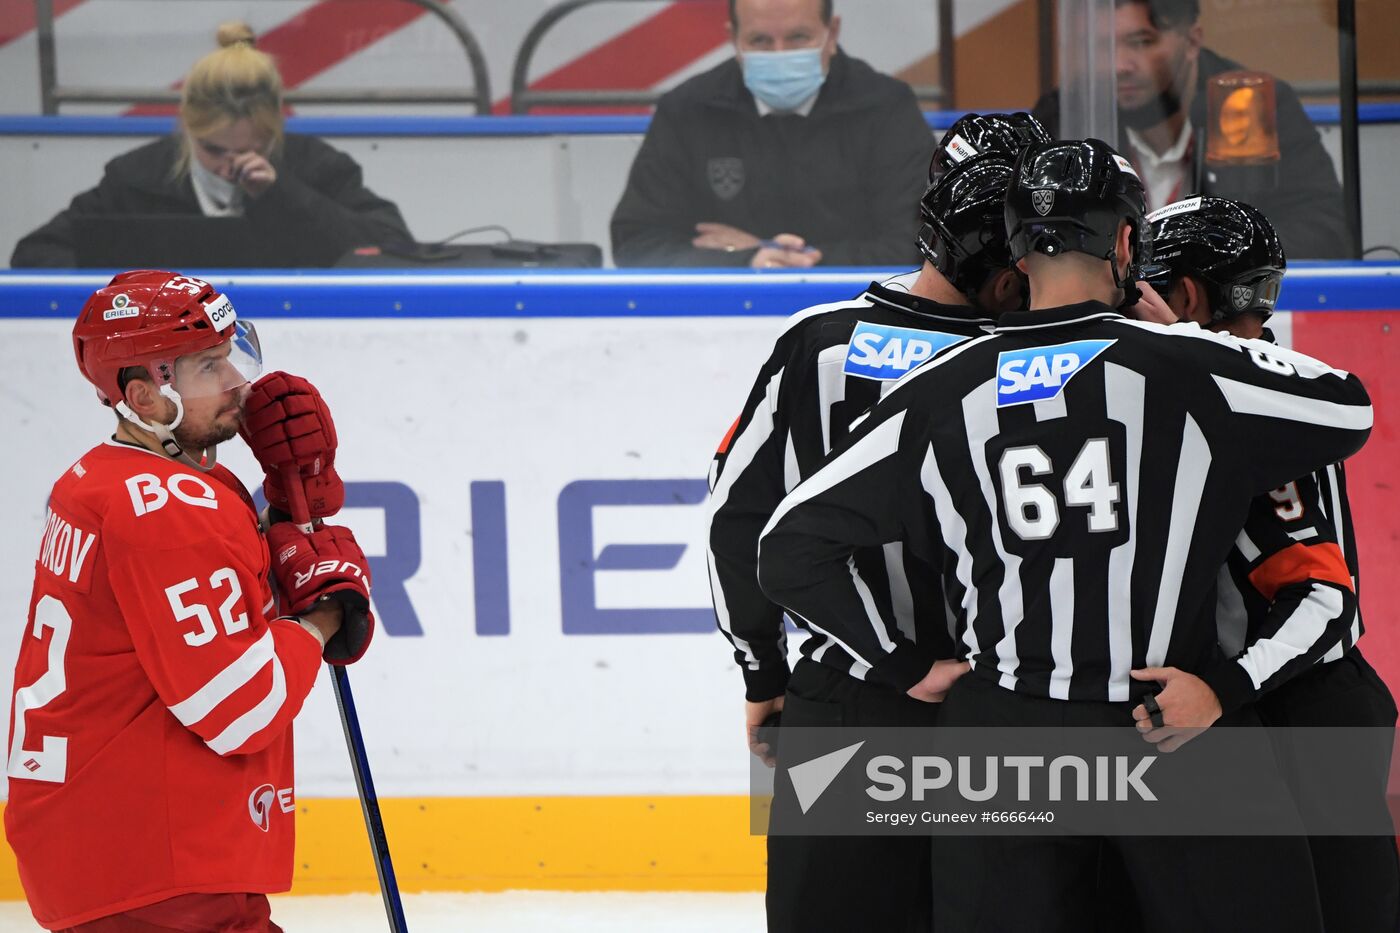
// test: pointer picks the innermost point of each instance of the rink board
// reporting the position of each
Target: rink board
(547, 704)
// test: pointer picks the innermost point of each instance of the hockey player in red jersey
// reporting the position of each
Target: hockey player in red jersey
(150, 754)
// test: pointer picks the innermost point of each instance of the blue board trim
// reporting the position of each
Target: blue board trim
(1331, 114)
(536, 294)
(29, 125)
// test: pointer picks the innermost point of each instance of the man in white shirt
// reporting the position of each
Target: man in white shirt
(1162, 72)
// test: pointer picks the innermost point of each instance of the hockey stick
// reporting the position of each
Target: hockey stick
(354, 740)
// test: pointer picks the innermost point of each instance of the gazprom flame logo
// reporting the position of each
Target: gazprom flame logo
(260, 805)
(262, 800)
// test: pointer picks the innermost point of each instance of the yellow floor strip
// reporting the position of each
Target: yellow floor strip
(503, 843)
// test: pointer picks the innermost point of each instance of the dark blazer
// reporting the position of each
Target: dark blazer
(317, 210)
(1306, 207)
(847, 177)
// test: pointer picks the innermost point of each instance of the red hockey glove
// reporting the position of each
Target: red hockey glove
(287, 421)
(325, 564)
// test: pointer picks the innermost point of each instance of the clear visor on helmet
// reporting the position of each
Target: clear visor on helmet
(219, 369)
(1159, 276)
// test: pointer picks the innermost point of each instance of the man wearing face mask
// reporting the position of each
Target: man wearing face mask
(1162, 74)
(788, 155)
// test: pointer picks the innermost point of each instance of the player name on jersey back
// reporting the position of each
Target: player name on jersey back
(66, 551)
(885, 352)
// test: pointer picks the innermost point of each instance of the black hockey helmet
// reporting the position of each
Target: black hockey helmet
(1228, 245)
(962, 234)
(978, 134)
(1070, 196)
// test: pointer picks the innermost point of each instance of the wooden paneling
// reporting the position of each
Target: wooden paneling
(997, 64)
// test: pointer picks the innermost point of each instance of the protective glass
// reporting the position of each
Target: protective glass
(231, 364)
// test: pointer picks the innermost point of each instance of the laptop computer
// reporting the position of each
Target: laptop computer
(180, 241)
(507, 254)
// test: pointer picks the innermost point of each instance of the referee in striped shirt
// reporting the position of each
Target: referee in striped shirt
(1287, 610)
(1079, 479)
(832, 363)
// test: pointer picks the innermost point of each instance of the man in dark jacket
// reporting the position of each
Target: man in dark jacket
(307, 204)
(790, 154)
(1163, 71)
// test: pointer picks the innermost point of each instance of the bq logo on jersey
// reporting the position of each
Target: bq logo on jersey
(1039, 373)
(878, 351)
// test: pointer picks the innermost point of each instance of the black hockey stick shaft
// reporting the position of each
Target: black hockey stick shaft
(354, 740)
(369, 801)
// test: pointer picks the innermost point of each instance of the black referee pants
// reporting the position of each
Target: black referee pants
(848, 884)
(1049, 884)
(1358, 877)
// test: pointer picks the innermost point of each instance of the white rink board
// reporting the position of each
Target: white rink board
(436, 405)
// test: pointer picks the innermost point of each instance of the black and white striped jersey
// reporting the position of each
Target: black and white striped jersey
(1078, 479)
(1287, 596)
(829, 366)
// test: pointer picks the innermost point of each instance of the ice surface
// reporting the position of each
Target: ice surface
(511, 912)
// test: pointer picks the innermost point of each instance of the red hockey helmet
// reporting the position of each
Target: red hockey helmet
(149, 318)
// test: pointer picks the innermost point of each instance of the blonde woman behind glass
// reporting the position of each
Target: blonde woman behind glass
(229, 157)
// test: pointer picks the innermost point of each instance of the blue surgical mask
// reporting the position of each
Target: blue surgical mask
(783, 80)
